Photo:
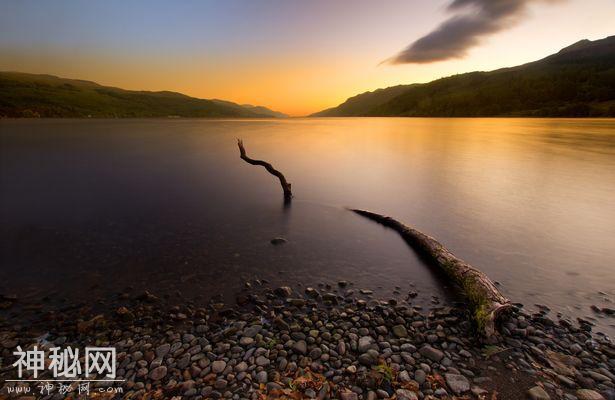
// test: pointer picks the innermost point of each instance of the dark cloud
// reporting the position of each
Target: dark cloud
(471, 21)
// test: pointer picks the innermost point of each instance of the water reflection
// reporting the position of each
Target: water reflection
(529, 201)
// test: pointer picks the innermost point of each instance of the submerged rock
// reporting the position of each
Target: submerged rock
(283, 291)
(276, 241)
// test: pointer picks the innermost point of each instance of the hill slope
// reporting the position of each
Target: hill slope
(31, 95)
(577, 81)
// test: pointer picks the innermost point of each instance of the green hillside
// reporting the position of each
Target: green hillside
(578, 81)
(30, 95)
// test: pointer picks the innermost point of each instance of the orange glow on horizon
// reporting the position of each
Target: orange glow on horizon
(297, 70)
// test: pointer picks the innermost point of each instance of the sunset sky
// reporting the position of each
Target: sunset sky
(297, 57)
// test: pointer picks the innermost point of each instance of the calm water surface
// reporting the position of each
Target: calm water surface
(89, 207)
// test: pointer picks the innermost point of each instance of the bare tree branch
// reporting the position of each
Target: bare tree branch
(285, 185)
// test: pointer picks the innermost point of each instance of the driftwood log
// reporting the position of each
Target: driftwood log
(283, 182)
(485, 299)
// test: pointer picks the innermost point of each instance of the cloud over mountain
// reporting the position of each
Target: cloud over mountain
(471, 21)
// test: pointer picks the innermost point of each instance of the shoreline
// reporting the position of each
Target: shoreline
(280, 342)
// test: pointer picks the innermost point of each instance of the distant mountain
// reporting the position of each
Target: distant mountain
(31, 95)
(264, 110)
(356, 106)
(578, 81)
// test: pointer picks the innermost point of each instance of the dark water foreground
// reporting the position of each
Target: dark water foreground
(153, 238)
(93, 208)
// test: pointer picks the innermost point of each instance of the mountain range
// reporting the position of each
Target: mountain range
(577, 81)
(32, 95)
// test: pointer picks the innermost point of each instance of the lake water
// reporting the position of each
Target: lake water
(89, 207)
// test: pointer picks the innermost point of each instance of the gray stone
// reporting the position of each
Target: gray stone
(341, 348)
(457, 383)
(404, 377)
(420, 376)
(365, 343)
(184, 361)
(252, 331)
(163, 350)
(478, 391)
(400, 331)
(158, 373)
(431, 353)
(220, 384)
(465, 354)
(261, 377)
(315, 353)
(349, 396)
(241, 367)
(218, 366)
(586, 394)
(262, 361)
(368, 359)
(566, 381)
(300, 346)
(405, 394)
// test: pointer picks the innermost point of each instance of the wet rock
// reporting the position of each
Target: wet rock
(89, 325)
(125, 314)
(283, 291)
(297, 302)
(147, 297)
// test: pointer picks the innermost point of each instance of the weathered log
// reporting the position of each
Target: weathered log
(485, 299)
(285, 184)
